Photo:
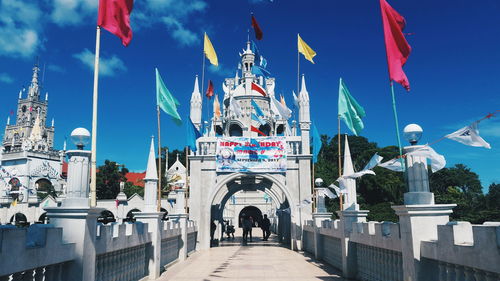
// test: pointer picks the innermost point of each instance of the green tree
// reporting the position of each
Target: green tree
(131, 189)
(108, 180)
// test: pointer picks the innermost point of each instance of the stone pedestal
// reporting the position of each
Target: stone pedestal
(182, 220)
(77, 194)
(417, 179)
(153, 251)
(347, 218)
(79, 227)
(318, 218)
(418, 223)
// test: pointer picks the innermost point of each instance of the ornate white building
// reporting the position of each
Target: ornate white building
(28, 159)
(213, 182)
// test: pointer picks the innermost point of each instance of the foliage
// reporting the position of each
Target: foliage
(108, 180)
(131, 189)
(456, 185)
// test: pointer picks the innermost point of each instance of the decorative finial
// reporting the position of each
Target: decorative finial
(46, 96)
(8, 120)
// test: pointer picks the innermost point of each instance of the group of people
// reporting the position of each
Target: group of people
(247, 223)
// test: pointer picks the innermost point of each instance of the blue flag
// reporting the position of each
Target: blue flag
(257, 70)
(316, 142)
(258, 119)
(257, 108)
(192, 134)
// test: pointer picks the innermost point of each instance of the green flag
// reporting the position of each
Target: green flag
(165, 100)
(349, 110)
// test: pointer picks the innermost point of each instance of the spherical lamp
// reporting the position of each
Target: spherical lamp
(80, 137)
(413, 133)
(318, 182)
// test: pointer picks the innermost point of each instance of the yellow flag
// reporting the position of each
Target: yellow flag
(14, 203)
(282, 100)
(209, 51)
(216, 106)
(308, 53)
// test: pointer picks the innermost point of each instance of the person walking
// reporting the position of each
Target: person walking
(266, 226)
(247, 229)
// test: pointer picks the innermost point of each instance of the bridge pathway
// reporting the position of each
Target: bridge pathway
(259, 260)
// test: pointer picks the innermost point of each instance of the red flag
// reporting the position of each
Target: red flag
(210, 89)
(397, 49)
(253, 129)
(256, 28)
(114, 16)
(258, 89)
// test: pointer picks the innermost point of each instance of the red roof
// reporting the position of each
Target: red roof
(136, 178)
(64, 172)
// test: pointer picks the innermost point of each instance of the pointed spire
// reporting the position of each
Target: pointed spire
(236, 79)
(151, 172)
(8, 120)
(20, 94)
(64, 145)
(348, 167)
(196, 95)
(177, 157)
(304, 95)
(52, 122)
(47, 96)
(36, 132)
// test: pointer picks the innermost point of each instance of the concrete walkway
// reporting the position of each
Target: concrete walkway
(258, 260)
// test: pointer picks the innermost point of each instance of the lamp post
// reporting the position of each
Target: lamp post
(320, 196)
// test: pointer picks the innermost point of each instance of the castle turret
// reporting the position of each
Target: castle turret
(196, 105)
(304, 116)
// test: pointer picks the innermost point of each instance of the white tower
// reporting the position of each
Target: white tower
(304, 116)
(196, 105)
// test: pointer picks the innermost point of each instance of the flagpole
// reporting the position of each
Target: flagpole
(202, 85)
(313, 190)
(159, 159)
(340, 161)
(397, 126)
(93, 168)
(187, 180)
(298, 68)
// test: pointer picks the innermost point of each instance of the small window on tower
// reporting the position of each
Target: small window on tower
(23, 108)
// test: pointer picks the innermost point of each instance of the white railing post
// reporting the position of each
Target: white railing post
(419, 217)
(78, 220)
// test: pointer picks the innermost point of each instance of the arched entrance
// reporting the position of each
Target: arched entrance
(44, 188)
(19, 219)
(287, 223)
(254, 213)
(106, 217)
(130, 215)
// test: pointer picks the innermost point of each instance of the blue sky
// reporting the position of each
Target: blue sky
(453, 69)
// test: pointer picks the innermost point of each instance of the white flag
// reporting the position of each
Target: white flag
(295, 99)
(359, 174)
(235, 107)
(326, 192)
(437, 160)
(280, 109)
(374, 161)
(306, 202)
(469, 136)
(393, 164)
(336, 188)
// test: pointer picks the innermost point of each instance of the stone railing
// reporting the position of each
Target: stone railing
(375, 250)
(463, 252)
(122, 251)
(34, 253)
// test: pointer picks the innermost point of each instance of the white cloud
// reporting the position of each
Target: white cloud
(174, 14)
(19, 27)
(107, 66)
(72, 12)
(221, 70)
(56, 68)
(184, 36)
(6, 78)
(490, 129)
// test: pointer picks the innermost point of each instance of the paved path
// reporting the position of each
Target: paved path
(259, 260)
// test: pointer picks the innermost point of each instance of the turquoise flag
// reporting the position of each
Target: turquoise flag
(257, 108)
(349, 110)
(192, 134)
(316, 142)
(165, 100)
